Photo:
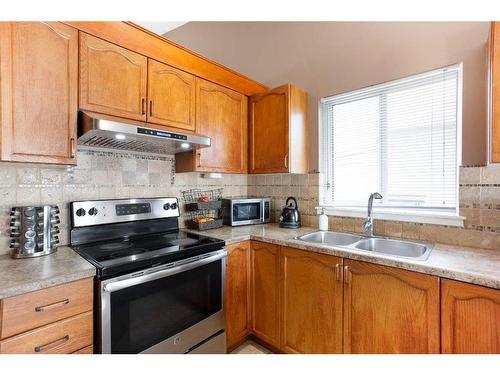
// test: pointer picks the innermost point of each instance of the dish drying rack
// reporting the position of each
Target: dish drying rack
(194, 209)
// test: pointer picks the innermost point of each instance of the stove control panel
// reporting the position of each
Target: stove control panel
(87, 213)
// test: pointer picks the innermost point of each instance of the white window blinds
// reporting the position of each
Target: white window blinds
(398, 138)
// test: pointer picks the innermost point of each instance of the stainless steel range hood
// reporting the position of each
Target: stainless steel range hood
(101, 131)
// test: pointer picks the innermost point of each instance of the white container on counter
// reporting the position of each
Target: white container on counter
(323, 220)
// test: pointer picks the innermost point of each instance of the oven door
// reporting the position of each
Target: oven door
(167, 309)
(247, 211)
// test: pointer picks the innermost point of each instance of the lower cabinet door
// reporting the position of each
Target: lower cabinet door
(311, 302)
(237, 293)
(389, 310)
(265, 270)
(470, 319)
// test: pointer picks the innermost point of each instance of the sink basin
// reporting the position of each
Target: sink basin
(406, 249)
(330, 238)
(398, 248)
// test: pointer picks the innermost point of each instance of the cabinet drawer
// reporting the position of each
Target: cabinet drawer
(87, 350)
(31, 310)
(66, 336)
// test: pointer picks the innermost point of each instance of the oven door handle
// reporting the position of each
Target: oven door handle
(126, 283)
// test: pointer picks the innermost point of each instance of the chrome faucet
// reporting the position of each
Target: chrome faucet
(368, 223)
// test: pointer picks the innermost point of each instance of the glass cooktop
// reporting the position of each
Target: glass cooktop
(113, 257)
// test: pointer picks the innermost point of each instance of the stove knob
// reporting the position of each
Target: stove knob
(80, 212)
(93, 211)
(173, 206)
(166, 206)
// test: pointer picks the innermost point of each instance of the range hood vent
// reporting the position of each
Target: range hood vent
(101, 131)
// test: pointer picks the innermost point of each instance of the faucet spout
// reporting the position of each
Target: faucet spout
(368, 223)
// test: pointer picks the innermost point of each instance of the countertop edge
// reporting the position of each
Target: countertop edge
(47, 283)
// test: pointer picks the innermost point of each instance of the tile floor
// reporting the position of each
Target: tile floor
(250, 347)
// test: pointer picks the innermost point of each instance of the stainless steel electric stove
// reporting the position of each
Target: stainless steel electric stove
(159, 289)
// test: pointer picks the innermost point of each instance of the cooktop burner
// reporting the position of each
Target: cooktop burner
(126, 254)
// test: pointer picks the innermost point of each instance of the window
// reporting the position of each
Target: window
(399, 138)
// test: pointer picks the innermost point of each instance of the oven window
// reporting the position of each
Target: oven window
(246, 211)
(146, 314)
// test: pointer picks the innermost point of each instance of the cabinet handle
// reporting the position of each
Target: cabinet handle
(286, 161)
(51, 345)
(73, 147)
(52, 305)
(151, 108)
(198, 159)
(143, 106)
(346, 275)
(337, 272)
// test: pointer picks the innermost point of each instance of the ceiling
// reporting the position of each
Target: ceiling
(160, 28)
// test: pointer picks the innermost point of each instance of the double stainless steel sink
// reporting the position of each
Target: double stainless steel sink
(404, 249)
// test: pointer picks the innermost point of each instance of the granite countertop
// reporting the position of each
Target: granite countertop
(18, 276)
(472, 265)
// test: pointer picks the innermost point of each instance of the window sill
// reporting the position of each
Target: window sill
(407, 215)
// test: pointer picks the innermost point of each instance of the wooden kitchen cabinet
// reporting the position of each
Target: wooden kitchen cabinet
(389, 310)
(278, 131)
(495, 91)
(221, 114)
(265, 298)
(311, 302)
(39, 92)
(237, 294)
(470, 319)
(171, 96)
(113, 80)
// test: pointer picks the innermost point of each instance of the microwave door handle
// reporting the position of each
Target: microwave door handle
(122, 284)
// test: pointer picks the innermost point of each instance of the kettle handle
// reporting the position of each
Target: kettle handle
(291, 199)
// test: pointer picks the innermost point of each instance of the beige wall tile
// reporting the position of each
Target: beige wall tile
(490, 174)
(470, 175)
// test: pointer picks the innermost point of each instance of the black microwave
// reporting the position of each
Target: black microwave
(244, 211)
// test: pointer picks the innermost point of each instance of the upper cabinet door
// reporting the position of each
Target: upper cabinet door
(470, 319)
(269, 132)
(113, 80)
(39, 91)
(171, 96)
(221, 114)
(278, 131)
(389, 310)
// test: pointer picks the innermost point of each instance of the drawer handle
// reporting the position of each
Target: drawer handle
(52, 305)
(52, 345)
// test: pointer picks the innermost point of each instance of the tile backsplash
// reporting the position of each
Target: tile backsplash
(109, 175)
(99, 175)
(479, 199)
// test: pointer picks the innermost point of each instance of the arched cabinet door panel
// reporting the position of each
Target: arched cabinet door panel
(389, 310)
(113, 80)
(237, 297)
(311, 302)
(39, 92)
(171, 96)
(470, 319)
(265, 271)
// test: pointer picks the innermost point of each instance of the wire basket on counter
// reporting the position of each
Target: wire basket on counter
(203, 208)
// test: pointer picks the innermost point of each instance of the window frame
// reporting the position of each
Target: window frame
(444, 216)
